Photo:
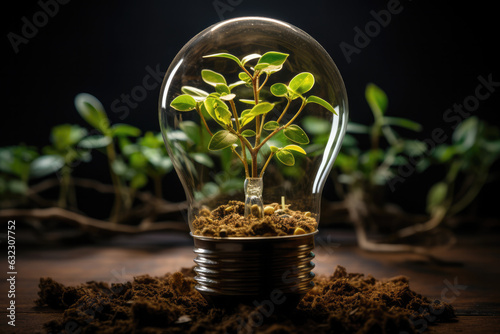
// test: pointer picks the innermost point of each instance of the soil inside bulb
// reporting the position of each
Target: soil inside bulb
(229, 221)
(343, 302)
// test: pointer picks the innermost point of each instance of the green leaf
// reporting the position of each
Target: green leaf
(222, 88)
(228, 97)
(236, 84)
(92, 111)
(248, 133)
(273, 58)
(466, 133)
(124, 130)
(271, 125)
(221, 140)
(212, 78)
(184, 103)
(279, 89)
(273, 149)
(321, 102)
(198, 94)
(218, 110)
(66, 135)
(202, 159)
(436, 196)
(285, 157)
(95, 141)
(138, 181)
(246, 101)
(316, 126)
(296, 134)
(261, 108)
(357, 128)
(403, 122)
(295, 148)
(224, 55)
(376, 98)
(45, 165)
(302, 83)
(250, 57)
(245, 77)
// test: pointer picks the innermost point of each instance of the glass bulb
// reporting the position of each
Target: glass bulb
(252, 110)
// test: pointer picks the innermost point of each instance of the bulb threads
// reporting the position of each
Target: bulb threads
(234, 271)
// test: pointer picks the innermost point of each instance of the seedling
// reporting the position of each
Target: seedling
(246, 132)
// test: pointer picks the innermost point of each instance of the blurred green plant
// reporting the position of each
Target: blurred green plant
(468, 160)
(134, 162)
(15, 165)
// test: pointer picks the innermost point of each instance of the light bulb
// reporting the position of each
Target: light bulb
(253, 112)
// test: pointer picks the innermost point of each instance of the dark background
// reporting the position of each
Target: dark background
(427, 58)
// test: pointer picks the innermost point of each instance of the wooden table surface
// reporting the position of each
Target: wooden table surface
(470, 281)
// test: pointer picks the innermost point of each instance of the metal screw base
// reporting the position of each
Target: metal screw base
(254, 270)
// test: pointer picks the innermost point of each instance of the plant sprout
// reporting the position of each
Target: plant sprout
(237, 127)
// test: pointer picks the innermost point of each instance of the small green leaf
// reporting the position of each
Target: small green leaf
(295, 148)
(316, 126)
(66, 135)
(202, 159)
(261, 108)
(285, 157)
(198, 94)
(221, 140)
(436, 196)
(252, 56)
(273, 58)
(138, 181)
(227, 97)
(224, 55)
(236, 84)
(95, 141)
(403, 122)
(271, 125)
(45, 165)
(92, 111)
(302, 83)
(321, 102)
(273, 149)
(248, 133)
(279, 89)
(183, 103)
(245, 77)
(212, 78)
(296, 134)
(222, 88)
(357, 128)
(124, 130)
(246, 101)
(376, 98)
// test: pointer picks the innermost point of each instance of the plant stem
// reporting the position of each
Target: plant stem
(267, 163)
(238, 128)
(203, 119)
(284, 110)
(275, 131)
(255, 84)
(110, 152)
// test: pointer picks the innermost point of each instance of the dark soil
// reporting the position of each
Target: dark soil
(229, 221)
(341, 303)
